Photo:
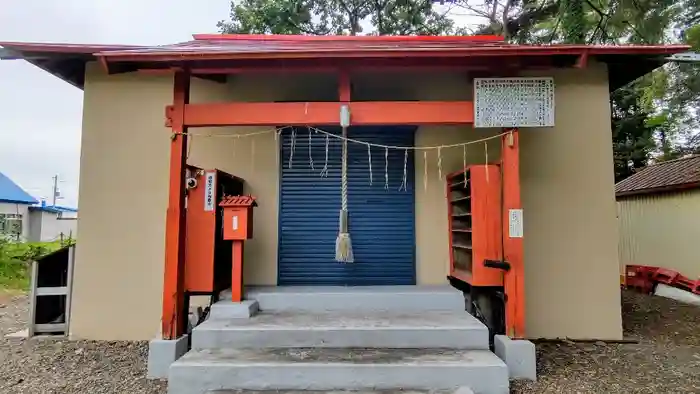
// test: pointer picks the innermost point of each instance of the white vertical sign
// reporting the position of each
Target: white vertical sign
(515, 223)
(235, 223)
(209, 199)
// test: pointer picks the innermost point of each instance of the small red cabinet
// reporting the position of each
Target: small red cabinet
(238, 217)
(474, 217)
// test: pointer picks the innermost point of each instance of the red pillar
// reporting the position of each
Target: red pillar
(237, 272)
(174, 316)
(512, 236)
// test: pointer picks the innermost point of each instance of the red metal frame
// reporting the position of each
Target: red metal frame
(512, 247)
(182, 115)
(644, 278)
(173, 321)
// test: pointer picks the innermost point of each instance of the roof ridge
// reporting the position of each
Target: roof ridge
(691, 156)
(680, 173)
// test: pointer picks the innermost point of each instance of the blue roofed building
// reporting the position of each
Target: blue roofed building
(52, 222)
(14, 209)
(24, 218)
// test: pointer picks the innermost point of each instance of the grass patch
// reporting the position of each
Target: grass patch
(15, 261)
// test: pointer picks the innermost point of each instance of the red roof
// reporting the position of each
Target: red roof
(238, 201)
(67, 61)
(662, 177)
(218, 46)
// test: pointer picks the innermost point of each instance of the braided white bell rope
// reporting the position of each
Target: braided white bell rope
(343, 244)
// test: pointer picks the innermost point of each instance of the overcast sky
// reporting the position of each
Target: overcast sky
(40, 115)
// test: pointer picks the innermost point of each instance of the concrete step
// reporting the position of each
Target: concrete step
(363, 298)
(425, 329)
(200, 371)
(462, 390)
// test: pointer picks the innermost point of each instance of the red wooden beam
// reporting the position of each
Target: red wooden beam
(512, 242)
(326, 113)
(264, 70)
(369, 68)
(362, 65)
(174, 315)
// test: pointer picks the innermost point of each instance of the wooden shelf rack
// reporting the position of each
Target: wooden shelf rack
(474, 219)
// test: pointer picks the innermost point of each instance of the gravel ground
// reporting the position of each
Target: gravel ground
(64, 367)
(666, 359)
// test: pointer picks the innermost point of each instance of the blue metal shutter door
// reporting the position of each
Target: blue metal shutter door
(381, 221)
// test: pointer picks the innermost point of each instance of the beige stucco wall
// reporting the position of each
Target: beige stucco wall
(118, 274)
(570, 233)
(661, 230)
(567, 195)
(571, 275)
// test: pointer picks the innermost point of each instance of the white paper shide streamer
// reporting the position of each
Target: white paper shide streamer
(405, 171)
(343, 246)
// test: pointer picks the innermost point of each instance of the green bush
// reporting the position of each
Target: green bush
(16, 258)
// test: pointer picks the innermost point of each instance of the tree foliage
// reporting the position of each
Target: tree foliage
(346, 17)
(633, 138)
(653, 118)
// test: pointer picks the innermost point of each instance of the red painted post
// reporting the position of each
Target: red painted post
(237, 272)
(173, 314)
(513, 236)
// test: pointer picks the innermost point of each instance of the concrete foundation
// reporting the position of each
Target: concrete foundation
(227, 309)
(519, 356)
(362, 298)
(430, 329)
(162, 353)
(371, 340)
(461, 390)
(337, 369)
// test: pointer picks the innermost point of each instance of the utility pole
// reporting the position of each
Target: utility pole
(55, 193)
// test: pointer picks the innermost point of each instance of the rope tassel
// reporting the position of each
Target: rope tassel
(343, 243)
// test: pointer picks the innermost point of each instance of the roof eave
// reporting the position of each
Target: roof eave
(65, 61)
(659, 190)
(132, 55)
(21, 202)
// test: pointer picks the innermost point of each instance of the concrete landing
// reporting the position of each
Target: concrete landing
(460, 391)
(200, 371)
(364, 298)
(429, 329)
